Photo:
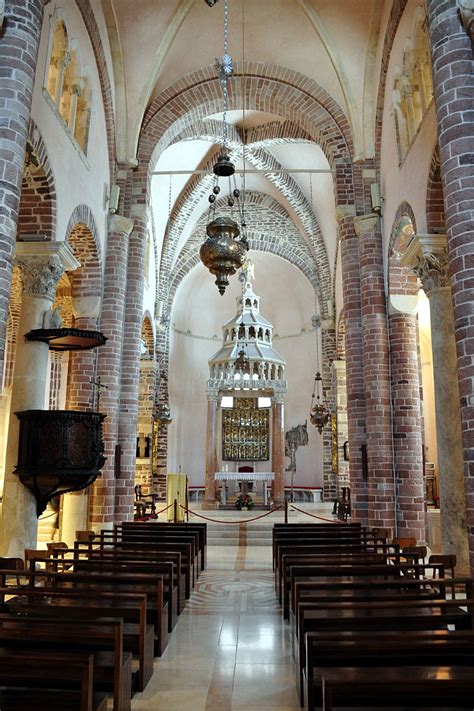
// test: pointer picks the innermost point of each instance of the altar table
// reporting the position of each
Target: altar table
(244, 476)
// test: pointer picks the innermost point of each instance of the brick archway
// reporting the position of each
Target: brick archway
(37, 211)
(82, 235)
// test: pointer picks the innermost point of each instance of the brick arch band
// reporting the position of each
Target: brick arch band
(82, 235)
(37, 210)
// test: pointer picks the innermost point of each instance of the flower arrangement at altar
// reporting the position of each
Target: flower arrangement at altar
(244, 501)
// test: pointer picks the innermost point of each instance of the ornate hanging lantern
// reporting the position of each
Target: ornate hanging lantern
(221, 253)
(318, 415)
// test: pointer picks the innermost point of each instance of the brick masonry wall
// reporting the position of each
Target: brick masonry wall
(435, 217)
(354, 365)
(407, 440)
(453, 75)
(405, 384)
(18, 54)
(102, 501)
(129, 391)
(381, 489)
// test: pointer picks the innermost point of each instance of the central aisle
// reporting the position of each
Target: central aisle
(231, 648)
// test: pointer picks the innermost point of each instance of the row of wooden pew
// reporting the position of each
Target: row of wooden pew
(372, 623)
(79, 625)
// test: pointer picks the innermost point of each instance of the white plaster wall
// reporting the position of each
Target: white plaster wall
(408, 181)
(77, 180)
(426, 356)
(287, 301)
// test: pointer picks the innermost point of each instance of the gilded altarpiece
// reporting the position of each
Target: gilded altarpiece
(245, 432)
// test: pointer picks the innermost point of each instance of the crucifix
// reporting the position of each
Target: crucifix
(98, 386)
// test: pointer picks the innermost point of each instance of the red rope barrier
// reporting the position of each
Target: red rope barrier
(321, 518)
(215, 520)
(163, 510)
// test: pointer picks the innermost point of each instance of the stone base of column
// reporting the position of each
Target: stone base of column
(74, 516)
(210, 504)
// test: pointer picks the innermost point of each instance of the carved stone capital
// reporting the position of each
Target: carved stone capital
(120, 224)
(42, 264)
(40, 275)
(343, 211)
(466, 12)
(366, 224)
(212, 393)
(279, 398)
(427, 256)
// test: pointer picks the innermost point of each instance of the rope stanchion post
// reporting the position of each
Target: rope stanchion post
(175, 516)
(286, 511)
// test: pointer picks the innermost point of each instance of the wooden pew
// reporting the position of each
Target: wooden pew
(158, 546)
(59, 604)
(103, 639)
(150, 584)
(201, 528)
(423, 687)
(114, 563)
(160, 538)
(338, 556)
(35, 682)
(387, 613)
(140, 554)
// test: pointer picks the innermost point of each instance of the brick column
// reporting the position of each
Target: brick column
(381, 489)
(278, 448)
(211, 451)
(80, 396)
(427, 255)
(407, 433)
(453, 78)
(128, 418)
(328, 347)
(109, 363)
(354, 365)
(42, 265)
(19, 42)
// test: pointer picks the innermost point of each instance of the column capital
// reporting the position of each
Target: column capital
(427, 256)
(212, 394)
(365, 224)
(466, 12)
(42, 264)
(343, 211)
(119, 223)
(139, 211)
(279, 398)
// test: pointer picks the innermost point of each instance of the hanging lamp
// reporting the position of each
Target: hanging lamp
(222, 252)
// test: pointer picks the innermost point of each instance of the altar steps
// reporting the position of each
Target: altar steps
(252, 534)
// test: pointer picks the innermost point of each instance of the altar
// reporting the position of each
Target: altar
(245, 477)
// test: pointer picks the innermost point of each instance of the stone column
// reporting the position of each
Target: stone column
(339, 372)
(451, 35)
(128, 418)
(42, 265)
(381, 488)
(407, 426)
(354, 364)
(211, 451)
(427, 255)
(80, 396)
(109, 365)
(278, 448)
(19, 43)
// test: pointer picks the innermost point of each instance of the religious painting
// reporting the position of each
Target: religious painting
(245, 432)
(334, 453)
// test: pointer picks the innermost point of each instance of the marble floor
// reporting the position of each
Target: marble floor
(230, 649)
